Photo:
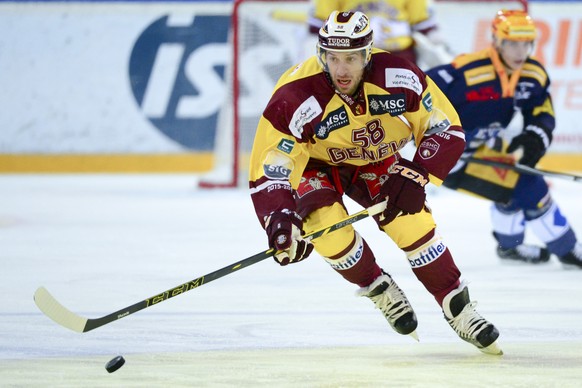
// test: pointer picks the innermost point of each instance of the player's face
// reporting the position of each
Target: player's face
(514, 53)
(346, 70)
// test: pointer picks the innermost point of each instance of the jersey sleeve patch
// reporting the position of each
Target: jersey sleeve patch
(438, 122)
(427, 102)
(428, 148)
(305, 113)
(286, 146)
(403, 78)
(277, 166)
(445, 75)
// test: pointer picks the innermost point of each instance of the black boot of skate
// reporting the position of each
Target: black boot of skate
(573, 259)
(530, 254)
(390, 299)
(461, 315)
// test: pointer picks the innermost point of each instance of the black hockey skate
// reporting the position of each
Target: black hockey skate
(530, 254)
(390, 299)
(573, 259)
(461, 315)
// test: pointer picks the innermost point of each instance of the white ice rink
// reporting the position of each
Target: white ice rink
(103, 242)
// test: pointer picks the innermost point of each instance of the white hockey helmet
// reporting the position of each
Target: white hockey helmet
(345, 32)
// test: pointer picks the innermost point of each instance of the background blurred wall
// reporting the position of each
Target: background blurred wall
(139, 85)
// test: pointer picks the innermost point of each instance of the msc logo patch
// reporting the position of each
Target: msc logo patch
(393, 104)
(335, 120)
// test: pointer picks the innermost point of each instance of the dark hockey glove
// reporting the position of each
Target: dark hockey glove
(284, 230)
(532, 145)
(404, 190)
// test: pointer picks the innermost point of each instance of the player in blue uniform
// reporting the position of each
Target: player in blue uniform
(489, 89)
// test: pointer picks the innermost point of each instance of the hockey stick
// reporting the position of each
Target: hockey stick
(64, 317)
(520, 168)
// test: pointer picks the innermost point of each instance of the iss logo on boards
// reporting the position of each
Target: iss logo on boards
(176, 73)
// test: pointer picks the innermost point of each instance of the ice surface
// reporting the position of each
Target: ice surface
(103, 242)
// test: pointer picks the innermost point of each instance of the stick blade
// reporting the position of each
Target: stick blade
(57, 312)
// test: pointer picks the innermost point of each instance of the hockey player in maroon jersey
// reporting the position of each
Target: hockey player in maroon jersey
(334, 126)
(488, 89)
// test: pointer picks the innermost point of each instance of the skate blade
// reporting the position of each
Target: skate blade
(492, 349)
(414, 335)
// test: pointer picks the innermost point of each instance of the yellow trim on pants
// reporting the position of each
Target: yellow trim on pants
(404, 230)
(333, 243)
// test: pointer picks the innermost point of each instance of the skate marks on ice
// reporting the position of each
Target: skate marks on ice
(541, 364)
(103, 242)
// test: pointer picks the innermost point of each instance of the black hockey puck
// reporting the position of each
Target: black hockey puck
(114, 364)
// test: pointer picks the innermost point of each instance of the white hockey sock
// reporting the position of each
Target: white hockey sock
(508, 226)
(554, 230)
(351, 258)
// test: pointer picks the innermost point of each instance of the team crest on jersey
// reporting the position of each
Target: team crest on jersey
(403, 78)
(523, 90)
(428, 148)
(393, 104)
(334, 120)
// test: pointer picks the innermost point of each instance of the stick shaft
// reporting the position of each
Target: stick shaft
(523, 169)
(64, 317)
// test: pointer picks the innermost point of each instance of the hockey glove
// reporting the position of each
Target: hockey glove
(404, 190)
(532, 145)
(284, 230)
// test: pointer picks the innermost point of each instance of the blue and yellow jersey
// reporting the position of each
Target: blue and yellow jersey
(486, 97)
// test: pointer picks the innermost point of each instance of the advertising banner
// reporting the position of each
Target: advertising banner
(104, 79)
